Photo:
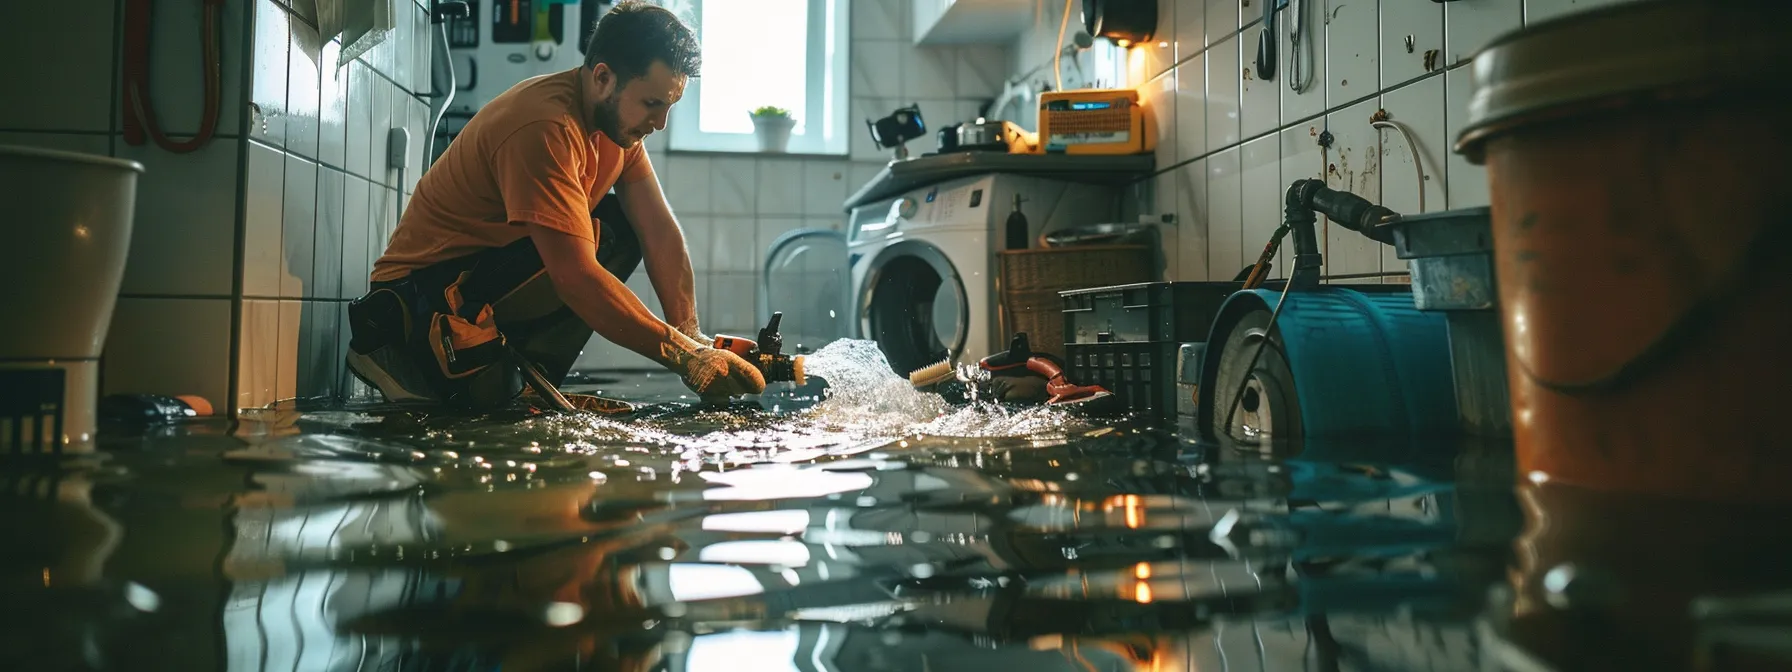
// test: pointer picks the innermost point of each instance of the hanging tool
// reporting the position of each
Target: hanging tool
(1020, 357)
(1267, 38)
(139, 112)
(1299, 78)
(766, 354)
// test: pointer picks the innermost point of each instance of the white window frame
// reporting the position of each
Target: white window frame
(824, 115)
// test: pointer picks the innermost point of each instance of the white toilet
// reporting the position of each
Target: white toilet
(65, 227)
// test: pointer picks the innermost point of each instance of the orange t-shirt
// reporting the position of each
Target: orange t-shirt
(526, 157)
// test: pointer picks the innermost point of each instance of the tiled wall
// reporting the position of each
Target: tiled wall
(1231, 143)
(242, 252)
(732, 206)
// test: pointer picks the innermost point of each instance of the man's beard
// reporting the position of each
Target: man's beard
(607, 118)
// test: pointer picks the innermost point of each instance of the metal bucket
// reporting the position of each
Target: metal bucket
(68, 227)
(1637, 160)
(1451, 254)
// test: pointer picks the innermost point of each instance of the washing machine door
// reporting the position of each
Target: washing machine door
(807, 278)
(912, 303)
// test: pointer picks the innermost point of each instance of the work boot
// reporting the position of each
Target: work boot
(377, 352)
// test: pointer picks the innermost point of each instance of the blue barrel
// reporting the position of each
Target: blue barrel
(1365, 364)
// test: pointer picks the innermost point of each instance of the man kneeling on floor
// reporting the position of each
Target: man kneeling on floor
(514, 241)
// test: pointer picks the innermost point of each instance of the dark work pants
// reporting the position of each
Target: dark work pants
(527, 309)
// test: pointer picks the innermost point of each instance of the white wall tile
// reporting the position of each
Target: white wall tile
(263, 217)
(299, 229)
(1261, 162)
(303, 81)
(827, 223)
(382, 203)
(1222, 95)
(321, 349)
(61, 58)
(258, 355)
(410, 112)
(1222, 19)
(286, 358)
(1467, 183)
(824, 186)
(358, 118)
(1307, 62)
(1356, 152)
(732, 243)
(326, 267)
(1189, 32)
(379, 108)
(1159, 96)
(1471, 25)
(929, 72)
(859, 175)
(1190, 183)
(357, 230)
(697, 230)
(1420, 108)
(880, 20)
(1352, 50)
(877, 69)
(1191, 109)
(780, 186)
(768, 230)
(732, 303)
(733, 189)
(686, 183)
(169, 346)
(980, 71)
(183, 235)
(1543, 10)
(1225, 215)
(1423, 22)
(332, 108)
(1260, 101)
(423, 41)
(268, 73)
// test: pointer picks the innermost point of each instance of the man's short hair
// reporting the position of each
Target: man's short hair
(633, 34)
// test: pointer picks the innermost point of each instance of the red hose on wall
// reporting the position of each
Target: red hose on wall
(139, 112)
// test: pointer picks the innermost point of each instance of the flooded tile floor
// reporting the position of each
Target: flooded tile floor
(874, 530)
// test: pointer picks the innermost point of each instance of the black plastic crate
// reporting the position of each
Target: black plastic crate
(1141, 375)
(1152, 312)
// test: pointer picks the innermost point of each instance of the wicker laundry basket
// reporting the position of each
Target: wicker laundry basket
(1031, 279)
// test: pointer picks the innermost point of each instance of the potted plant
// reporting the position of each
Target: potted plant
(773, 125)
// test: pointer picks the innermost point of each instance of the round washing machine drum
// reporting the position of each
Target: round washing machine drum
(912, 304)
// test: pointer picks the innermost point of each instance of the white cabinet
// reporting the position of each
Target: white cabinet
(939, 22)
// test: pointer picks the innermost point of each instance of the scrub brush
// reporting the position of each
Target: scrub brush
(932, 374)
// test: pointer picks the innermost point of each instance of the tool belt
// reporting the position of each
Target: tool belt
(444, 317)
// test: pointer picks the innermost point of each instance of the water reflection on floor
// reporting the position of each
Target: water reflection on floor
(687, 540)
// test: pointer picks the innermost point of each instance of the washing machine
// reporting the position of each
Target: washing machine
(919, 274)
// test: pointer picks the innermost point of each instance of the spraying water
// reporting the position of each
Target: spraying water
(865, 404)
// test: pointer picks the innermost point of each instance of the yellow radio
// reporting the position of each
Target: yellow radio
(1095, 121)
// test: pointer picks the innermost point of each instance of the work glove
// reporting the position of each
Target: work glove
(713, 374)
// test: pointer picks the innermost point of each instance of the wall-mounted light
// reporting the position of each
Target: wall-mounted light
(1125, 22)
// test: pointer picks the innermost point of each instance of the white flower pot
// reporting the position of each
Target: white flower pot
(774, 133)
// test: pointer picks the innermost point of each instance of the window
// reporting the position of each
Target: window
(783, 53)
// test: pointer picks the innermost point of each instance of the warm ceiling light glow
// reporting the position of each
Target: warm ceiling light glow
(1123, 43)
(1142, 593)
(1142, 570)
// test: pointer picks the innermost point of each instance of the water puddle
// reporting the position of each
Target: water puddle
(866, 526)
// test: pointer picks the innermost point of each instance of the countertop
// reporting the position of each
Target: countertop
(901, 176)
